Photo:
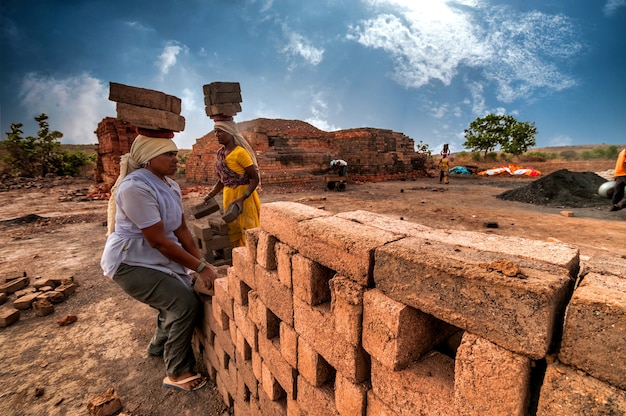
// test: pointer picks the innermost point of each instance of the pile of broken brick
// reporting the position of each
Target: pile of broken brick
(40, 294)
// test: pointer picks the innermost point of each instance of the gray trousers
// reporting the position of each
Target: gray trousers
(179, 311)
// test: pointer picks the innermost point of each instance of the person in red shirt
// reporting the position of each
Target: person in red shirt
(619, 198)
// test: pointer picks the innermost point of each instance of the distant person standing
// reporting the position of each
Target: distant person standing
(444, 170)
(340, 166)
(619, 198)
(445, 152)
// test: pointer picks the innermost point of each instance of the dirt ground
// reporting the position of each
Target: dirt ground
(49, 369)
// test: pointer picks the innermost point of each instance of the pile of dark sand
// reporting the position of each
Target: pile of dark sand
(563, 189)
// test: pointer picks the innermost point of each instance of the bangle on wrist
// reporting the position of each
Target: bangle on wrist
(201, 266)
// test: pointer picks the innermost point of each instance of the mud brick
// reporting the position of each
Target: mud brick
(14, 285)
(310, 280)
(561, 255)
(396, 334)
(312, 366)
(567, 213)
(218, 225)
(318, 401)
(217, 242)
(245, 326)
(270, 384)
(273, 294)
(252, 239)
(222, 297)
(106, 404)
(314, 325)
(206, 208)
(202, 232)
(285, 374)
(243, 350)
(266, 251)
(246, 375)
(220, 87)
(347, 307)
(594, 334)
(226, 388)
(566, 391)
(58, 281)
(215, 97)
(237, 288)
(257, 365)
(226, 109)
(26, 291)
(284, 253)
(342, 245)
(606, 265)
(3, 298)
(482, 388)
(12, 275)
(9, 317)
(245, 265)
(519, 313)
(43, 307)
(143, 97)
(46, 289)
(350, 398)
(220, 318)
(265, 320)
(66, 289)
(270, 407)
(289, 344)
(424, 385)
(149, 118)
(42, 282)
(375, 407)
(25, 302)
(281, 219)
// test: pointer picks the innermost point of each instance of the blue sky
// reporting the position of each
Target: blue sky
(423, 68)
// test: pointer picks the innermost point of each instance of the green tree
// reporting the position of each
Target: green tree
(39, 156)
(486, 133)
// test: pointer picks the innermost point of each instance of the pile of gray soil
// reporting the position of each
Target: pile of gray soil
(563, 189)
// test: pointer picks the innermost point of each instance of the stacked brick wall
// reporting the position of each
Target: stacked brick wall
(114, 139)
(360, 314)
(292, 151)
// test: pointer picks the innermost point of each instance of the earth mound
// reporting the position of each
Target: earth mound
(563, 189)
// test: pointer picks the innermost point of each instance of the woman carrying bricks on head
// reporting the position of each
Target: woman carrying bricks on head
(238, 177)
(150, 252)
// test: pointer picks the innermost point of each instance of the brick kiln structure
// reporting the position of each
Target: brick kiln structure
(360, 314)
(114, 139)
(292, 151)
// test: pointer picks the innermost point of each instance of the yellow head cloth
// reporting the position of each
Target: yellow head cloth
(142, 150)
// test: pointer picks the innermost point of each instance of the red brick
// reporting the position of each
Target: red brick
(350, 398)
(318, 401)
(150, 118)
(347, 307)
(312, 366)
(144, 97)
(8, 317)
(266, 250)
(284, 253)
(269, 350)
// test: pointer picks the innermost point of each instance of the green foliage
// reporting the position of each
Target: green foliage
(612, 151)
(422, 147)
(609, 152)
(568, 155)
(39, 156)
(487, 133)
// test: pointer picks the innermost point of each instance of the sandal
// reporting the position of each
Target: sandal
(180, 384)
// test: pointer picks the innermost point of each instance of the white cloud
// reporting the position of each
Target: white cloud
(611, 6)
(74, 105)
(560, 140)
(431, 41)
(168, 57)
(298, 45)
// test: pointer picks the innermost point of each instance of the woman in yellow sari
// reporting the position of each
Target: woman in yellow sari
(238, 177)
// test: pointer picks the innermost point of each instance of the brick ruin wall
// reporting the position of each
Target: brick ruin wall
(360, 314)
(292, 151)
(114, 139)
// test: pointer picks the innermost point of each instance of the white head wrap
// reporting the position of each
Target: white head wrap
(230, 127)
(142, 150)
